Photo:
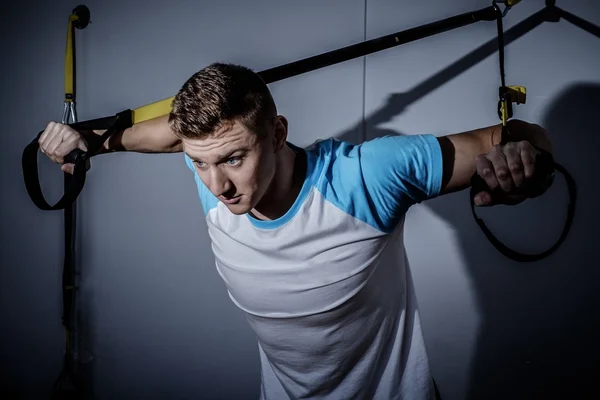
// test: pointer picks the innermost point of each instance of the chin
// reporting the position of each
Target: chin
(238, 209)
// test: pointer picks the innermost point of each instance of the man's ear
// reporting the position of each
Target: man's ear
(280, 132)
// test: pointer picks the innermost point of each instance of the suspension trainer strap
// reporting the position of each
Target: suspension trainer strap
(127, 118)
(68, 384)
(79, 158)
(544, 168)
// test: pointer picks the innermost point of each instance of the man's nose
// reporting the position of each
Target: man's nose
(219, 183)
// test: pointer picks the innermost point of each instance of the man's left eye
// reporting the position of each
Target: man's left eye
(233, 161)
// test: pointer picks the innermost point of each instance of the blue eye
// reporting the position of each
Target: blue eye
(233, 160)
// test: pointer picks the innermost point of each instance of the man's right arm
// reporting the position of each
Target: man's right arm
(151, 136)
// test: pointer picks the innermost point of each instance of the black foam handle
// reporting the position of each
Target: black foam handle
(74, 156)
(77, 157)
(32, 184)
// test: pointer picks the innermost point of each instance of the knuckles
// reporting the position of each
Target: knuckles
(486, 173)
(524, 145)
(57, 140)
(515, 167)
(505, 162)
(502, 174)
(51, 125)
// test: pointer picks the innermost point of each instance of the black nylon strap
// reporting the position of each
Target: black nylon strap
(523, 257)
(544, 170)
(545, 167)
(269, 76)
(79, 158)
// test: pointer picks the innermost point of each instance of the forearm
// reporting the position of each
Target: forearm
(469, 145)
(460, 150)
(151, 136)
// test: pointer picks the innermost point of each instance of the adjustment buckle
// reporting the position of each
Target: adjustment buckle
(509, 95)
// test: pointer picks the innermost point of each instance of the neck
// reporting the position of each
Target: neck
(284, 188)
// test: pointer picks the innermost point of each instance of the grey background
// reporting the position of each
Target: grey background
(155, 315)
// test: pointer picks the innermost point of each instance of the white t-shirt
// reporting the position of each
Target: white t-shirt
(326, 287)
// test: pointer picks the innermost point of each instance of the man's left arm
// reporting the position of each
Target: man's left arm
(509, 167)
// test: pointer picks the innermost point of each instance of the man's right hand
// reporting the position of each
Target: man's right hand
(58, 140)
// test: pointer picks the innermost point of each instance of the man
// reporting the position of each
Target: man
(306, 240)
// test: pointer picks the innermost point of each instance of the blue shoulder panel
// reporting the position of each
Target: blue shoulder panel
(378, 180)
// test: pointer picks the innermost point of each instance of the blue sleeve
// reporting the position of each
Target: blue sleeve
(207, 199)
(406, 169)
(378, 180)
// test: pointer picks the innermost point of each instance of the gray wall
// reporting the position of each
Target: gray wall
(156, 317)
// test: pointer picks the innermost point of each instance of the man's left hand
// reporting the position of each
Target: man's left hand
(508, 171)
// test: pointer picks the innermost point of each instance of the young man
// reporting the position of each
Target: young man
(308, 241)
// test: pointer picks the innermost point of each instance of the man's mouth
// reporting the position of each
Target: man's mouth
(231, 200)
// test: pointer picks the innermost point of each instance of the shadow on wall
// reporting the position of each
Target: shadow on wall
(537, 337)
(539, 324)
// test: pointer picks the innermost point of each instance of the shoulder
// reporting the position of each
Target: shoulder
(412, 164)
(393, 148)
(379, 179)
(411, 161)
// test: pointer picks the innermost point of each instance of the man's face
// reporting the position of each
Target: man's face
(235, 164)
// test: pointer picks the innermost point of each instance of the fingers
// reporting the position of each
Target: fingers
(68, 144)
(498, 156)
(58, 140)
(68, 168)
(514, 165)
(45, 133)
(507, 169)
(52, 131)
(52, 142)
(486, 169)
(528, 155)
(483, 199)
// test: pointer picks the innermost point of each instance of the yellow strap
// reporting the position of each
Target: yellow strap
(163, 107)
(152, 110)
(144, 113)
(69, 60)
